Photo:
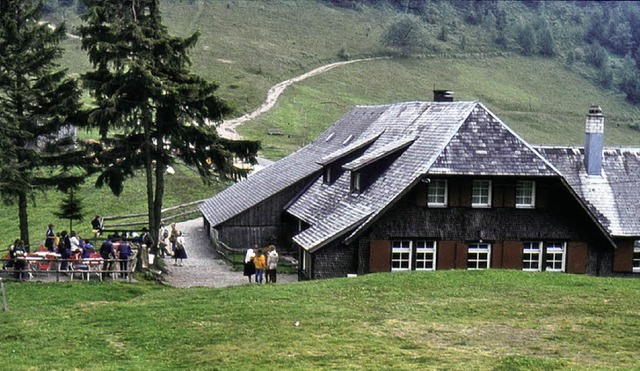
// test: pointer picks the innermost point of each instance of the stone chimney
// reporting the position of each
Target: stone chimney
(442, 96)
(594, 141)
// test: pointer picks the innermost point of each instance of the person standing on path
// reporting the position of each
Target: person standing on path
(249, 267)
(180, 251)
(272, 264)
(261, 263)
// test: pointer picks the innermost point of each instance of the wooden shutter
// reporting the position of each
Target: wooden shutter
(512, 255)
(446, 255)
(623, 257)
(421, 194)
(462, 250)
(577, 257)
(380, 256)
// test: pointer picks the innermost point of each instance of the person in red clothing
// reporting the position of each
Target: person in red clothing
(260, 263)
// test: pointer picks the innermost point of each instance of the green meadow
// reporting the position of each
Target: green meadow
(479, 320)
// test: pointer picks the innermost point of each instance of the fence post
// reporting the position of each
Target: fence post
(4, 297)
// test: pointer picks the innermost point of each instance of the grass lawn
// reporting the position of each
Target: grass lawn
(494, 319)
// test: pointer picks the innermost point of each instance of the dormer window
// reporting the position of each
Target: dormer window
(326, 176)
(437, 193)
(481, 193)
(355, 181)
(525, 194)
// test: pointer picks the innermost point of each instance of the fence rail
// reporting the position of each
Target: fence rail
(34, 270)
(137, 221)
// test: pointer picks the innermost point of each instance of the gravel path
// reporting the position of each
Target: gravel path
(204, 268)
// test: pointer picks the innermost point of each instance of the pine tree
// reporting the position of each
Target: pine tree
(145, 93)
(70, 208)
(38, 105)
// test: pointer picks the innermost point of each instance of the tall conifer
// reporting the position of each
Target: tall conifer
(150, 109)
(38, 106)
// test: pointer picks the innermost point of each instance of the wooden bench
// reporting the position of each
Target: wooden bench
(275, 131)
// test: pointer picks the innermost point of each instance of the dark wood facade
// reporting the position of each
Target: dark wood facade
(263, 224)
(556, 217)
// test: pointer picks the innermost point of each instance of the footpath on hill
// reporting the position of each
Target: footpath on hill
(203, 267)
(227, 129)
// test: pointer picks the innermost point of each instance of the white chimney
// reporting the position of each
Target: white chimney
(594, 141)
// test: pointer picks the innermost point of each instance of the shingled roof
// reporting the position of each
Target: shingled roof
(614, 197)
(420, 140)
(434, 138)
(289, 170)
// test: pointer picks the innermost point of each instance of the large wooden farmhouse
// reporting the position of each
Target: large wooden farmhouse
(439, 185)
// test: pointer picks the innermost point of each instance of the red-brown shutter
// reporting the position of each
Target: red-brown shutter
(446, 255)
(623, 257)
(496, 255)
(577, 257)
(380, 256)
(512, 255)
(462, 250)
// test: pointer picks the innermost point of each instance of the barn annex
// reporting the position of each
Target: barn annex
(439, 185)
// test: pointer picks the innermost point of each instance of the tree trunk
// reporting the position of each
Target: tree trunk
(148, 168)
(23, 218)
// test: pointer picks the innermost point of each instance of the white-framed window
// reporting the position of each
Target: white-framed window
(437, 193)
(481, 193)
(532, 256)
(426, 255)
(525, 194)
(479, 256)
(400, 255)
(555, 256)
(355, 181)
(636, 257)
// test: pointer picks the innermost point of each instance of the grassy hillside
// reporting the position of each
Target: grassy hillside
(248, 46)
(418, 320)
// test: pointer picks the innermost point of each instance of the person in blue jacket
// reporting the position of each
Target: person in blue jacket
(124, 254)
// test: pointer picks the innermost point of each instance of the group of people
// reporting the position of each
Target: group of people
(171, 237)
(68, 247)
(261, 263)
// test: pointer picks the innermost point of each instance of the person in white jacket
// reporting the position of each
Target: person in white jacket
(272, 264)
(249, 268)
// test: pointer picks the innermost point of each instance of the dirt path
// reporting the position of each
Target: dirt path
(203, 267)
(228, 128)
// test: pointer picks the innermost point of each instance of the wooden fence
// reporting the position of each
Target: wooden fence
(135, 222)
(83, 269)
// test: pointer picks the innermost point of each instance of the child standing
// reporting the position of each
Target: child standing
(260, 263)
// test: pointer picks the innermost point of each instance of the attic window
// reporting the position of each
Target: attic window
(437, 193)
(481, 193)
(525, 194)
